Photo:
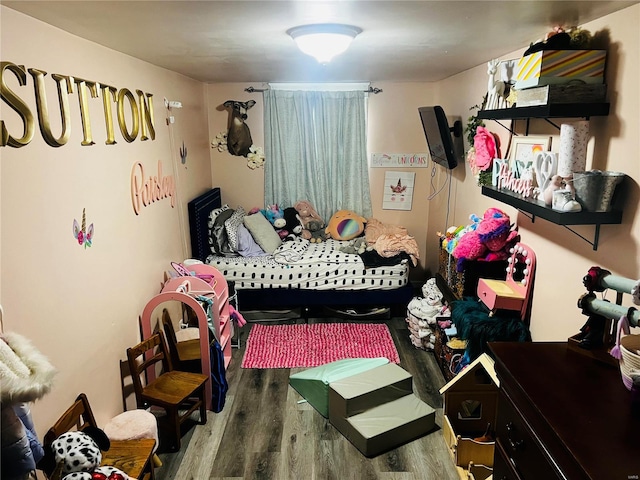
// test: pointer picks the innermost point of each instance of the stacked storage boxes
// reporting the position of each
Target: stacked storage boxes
(561, 76)
(553, 67)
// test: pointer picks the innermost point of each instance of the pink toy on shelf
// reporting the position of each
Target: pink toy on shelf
(512, 293)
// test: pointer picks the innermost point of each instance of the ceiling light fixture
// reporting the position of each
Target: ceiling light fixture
(323, 41)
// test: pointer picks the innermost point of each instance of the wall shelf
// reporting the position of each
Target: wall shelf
(536, 208)
(555, 110)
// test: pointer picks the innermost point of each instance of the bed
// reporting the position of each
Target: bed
(300, 274)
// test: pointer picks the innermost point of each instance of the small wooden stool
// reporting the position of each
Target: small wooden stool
(135, 425)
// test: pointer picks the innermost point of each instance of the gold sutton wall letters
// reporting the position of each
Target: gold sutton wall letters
(141, 109)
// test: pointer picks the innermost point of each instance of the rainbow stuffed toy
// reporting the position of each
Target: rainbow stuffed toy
(345, 225)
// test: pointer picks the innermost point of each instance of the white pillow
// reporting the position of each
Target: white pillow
(262, 232)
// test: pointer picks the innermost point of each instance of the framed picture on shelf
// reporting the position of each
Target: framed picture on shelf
(525, 148)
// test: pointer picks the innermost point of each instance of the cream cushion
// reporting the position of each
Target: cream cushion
(133, 425)
(262, 232)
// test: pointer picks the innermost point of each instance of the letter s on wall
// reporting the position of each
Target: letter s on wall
(16, 103)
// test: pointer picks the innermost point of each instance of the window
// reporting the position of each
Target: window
(315, 145)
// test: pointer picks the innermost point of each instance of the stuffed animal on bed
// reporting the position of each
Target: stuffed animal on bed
(307, 212)
(357, 246)
(345, 225)
(275, 215)
(314, 231)
(312, 223)
(293, 226)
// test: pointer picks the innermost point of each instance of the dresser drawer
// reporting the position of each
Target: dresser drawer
(517, 442)
(502, 468)
(500, 294)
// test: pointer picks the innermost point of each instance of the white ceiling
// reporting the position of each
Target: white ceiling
(245, 41)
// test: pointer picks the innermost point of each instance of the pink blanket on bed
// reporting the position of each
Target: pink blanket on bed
(390, 240)
(375, 229)
(392, 245)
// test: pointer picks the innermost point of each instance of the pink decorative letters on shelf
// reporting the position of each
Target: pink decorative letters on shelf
(507, 180)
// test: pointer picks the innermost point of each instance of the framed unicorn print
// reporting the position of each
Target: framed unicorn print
(398, 190)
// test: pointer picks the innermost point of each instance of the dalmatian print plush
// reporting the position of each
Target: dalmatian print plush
(100, 473)
(80, 456)
(78, 452)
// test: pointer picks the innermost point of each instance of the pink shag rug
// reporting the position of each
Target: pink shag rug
(310, 345)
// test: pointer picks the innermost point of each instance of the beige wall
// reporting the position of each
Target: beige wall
(80, 306)
(563, 258)
(394, 127)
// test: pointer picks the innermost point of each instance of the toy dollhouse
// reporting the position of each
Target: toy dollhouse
(470, 409)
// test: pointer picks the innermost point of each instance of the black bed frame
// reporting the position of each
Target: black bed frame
(282, 298)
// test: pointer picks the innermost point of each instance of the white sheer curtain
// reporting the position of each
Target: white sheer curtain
(315, 147)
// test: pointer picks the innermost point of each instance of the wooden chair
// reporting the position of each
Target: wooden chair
(185, 355)
(134, 457)
(178, 393)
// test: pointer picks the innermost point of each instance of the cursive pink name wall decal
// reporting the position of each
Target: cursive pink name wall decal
(145, 191)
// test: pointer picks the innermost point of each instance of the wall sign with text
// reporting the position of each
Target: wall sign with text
(400, 160)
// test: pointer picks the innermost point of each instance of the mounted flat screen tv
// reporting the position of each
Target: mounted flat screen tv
(438, 133)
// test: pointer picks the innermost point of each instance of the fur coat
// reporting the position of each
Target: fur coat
(25, 375)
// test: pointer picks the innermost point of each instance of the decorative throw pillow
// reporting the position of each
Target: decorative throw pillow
(247, 246)
(231, 227)
(262, 232)
(219, 239)
(210, 223)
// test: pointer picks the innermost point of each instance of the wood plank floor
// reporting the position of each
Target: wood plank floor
(265, 431)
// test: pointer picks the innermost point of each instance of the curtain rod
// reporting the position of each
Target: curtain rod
(260, 90)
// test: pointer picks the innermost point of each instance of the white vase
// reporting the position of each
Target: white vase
(572, 154)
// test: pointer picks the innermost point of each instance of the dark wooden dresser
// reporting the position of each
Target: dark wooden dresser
(562, 415)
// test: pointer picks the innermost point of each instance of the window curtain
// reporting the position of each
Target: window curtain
(315, 147)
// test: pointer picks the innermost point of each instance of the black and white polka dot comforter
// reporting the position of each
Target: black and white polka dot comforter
(315, 266)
